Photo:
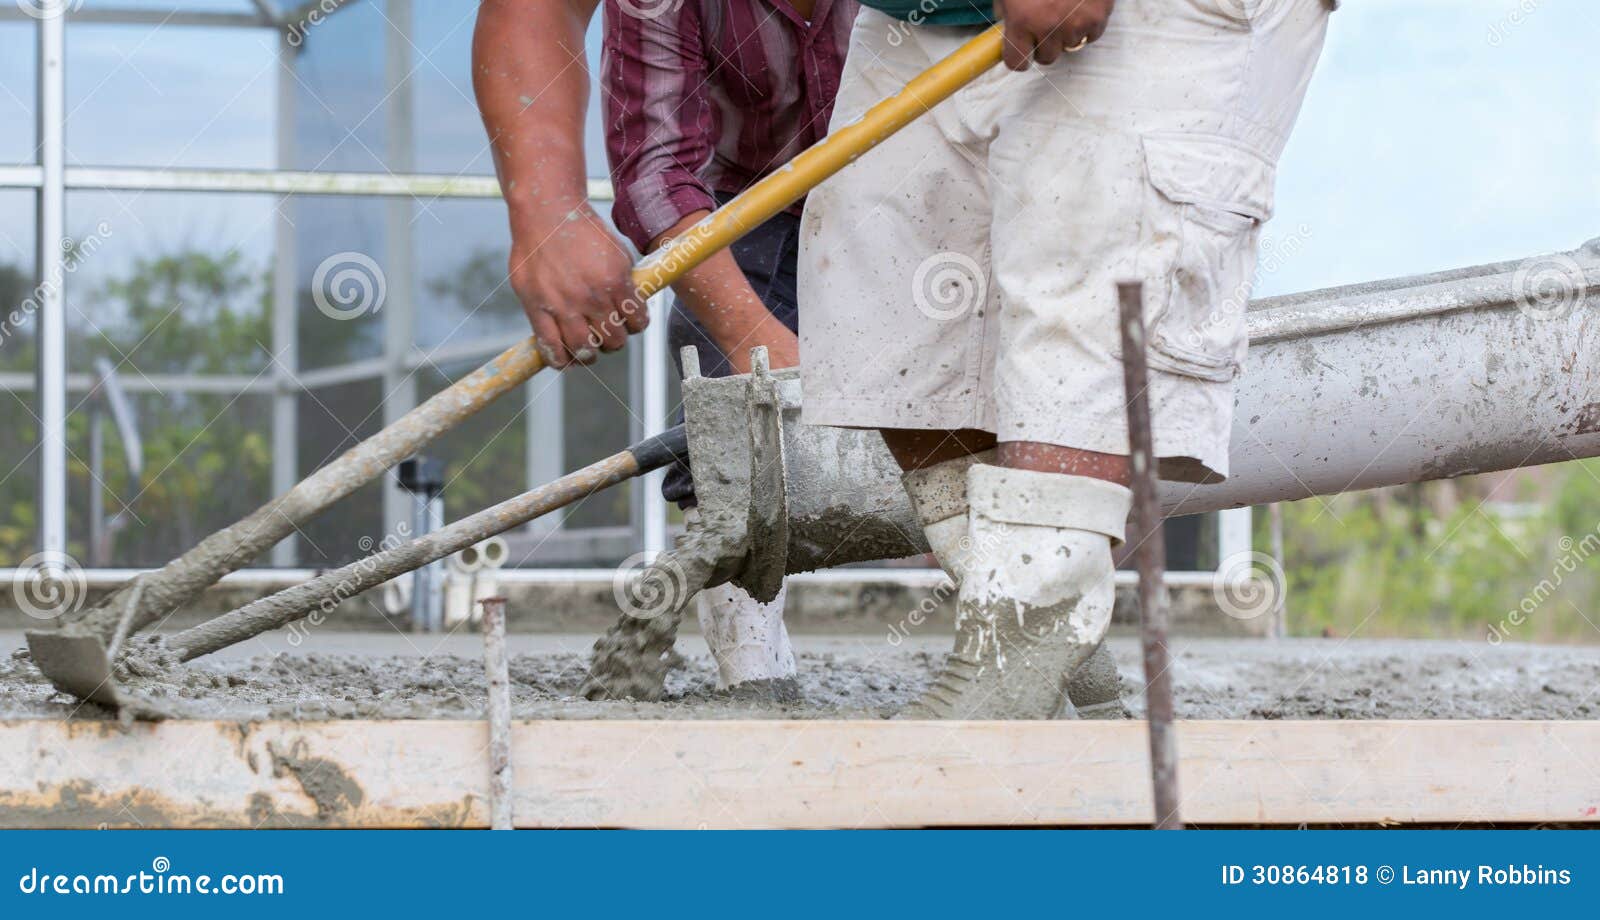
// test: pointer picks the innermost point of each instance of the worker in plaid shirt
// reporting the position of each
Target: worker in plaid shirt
(701, 98)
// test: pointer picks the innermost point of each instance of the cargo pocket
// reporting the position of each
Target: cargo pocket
(1209, 196)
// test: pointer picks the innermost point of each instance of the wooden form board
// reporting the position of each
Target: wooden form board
(790, 774)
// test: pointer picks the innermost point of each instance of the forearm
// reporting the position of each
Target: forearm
(568, 271)
(531, 78)
(717, 294)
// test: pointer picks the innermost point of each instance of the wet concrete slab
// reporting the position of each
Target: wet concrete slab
(339, 675)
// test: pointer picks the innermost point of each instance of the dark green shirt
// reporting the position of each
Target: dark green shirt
(937, 12)
(957, 12)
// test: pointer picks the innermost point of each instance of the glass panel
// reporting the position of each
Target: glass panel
(460, 256)
(331, 420)
(207, 461)
(19, 62)
(460, 249)
(346, 275)
(19, 473)
(485, 460)
(166, 284)
(340, 122)
(208, 92)
(483, 456)
(597, 425)
(344, 101)
(169, 283)
(1191, 543)
(18, 280)
(19, 478)
(448, 134)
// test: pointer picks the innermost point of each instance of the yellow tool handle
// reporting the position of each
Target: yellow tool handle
(808, 170)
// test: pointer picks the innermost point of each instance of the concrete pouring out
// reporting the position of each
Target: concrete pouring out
(374, 676)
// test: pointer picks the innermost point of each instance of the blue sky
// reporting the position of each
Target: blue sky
(1438, 133)
(1443, 133)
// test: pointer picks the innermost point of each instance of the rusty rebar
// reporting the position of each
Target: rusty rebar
(498, 673)
(1151, 554)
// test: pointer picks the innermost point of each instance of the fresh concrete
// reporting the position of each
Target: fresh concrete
(398, 675)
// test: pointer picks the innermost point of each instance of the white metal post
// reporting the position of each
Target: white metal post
(285, 311)
(51, 326)
(544, 434)
(1233, 533)
(398, 312)
(647, 404)
(654, 408)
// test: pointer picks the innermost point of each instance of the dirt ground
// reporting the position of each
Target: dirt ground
(371, 675)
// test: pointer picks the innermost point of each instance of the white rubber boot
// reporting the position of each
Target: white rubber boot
(749, 643)
(1036, 596)
(938, 493)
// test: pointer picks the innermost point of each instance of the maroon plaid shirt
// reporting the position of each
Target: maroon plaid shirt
(708, 96)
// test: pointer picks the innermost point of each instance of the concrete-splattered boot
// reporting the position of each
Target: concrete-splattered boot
(1036, 596)
(749, 643)
(938, 493)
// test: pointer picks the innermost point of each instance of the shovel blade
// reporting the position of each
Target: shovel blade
(76, 664)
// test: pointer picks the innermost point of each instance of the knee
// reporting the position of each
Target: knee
(915, 449)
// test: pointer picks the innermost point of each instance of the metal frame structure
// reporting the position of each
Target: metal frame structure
(52, 179)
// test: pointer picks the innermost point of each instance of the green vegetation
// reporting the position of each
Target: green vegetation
(208, 456)
(1436, 559)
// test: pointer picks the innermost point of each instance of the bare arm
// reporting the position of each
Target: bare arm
(532, 82)
(717, 293)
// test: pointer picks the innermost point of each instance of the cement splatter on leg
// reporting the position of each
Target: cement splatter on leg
(1095, 690)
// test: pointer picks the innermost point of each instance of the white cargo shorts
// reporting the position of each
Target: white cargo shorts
(963, 274)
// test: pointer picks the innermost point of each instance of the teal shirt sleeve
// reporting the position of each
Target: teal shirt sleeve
(936, 12)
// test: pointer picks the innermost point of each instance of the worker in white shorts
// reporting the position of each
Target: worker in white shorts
(959, 292)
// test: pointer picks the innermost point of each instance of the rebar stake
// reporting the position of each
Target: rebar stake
(1151, 553)
(498, 671)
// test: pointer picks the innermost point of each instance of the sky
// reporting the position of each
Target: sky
(1436, 134)
(1439, 134)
